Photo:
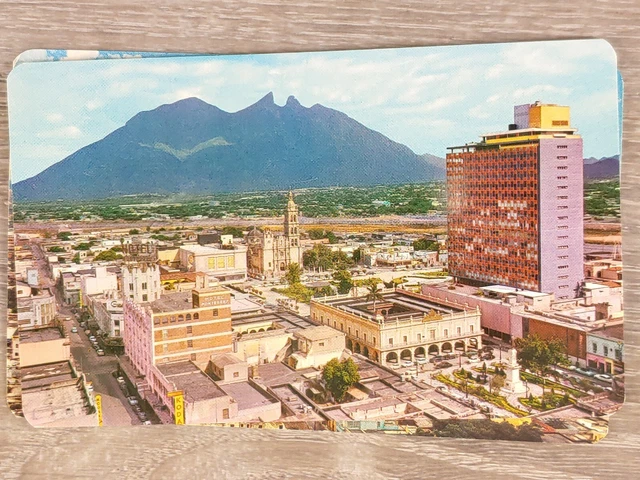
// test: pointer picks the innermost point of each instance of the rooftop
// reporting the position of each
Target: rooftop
(501, 289)
(403, 306)
(40, 335)
(615, 332)
(186, 376)
(171, 302)
(224, 359)
(246, 395)
(289, 321)
(208, 250)
(321, 332)
(43, 375)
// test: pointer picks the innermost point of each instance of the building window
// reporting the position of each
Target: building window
(156, 321)
(391, 341)
(131, 286)
(189, 343)
(562, 157)
(145, 298)
(193, 357)
(562, 177)
(236, 374)
(432, 334)
(225, 414)
(189, 329)
(144, 286)
(563, 247)
(459, 330)
(562, 167)
(563, 147)
(470, 328)
(606, 351)
(165, 334)
(446, 332)
(196, 316)
(173, 319)
(365, 337)
(188, 317)
(419, 337)
(563, 267)
(321, 344)
(211, 263)
(215, 312)
(562, 197)
(405, 339)
(357, 334)
(165, 320)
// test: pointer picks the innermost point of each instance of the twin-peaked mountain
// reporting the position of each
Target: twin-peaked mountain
(196, 148)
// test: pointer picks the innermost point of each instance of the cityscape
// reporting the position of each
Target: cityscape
(421, 241)
(492, 315)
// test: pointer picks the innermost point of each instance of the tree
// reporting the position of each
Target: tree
(497, 382)
(76, 258)
(340, 376)
(357, 255)
(343, 281)
(374, 294)
(320, 233)
(82, 246)
(56, 249)
(425, 244)
(293, 274)
(107, 256)
(134, 231)
(537, 354)
(235, 231)
(64, 235)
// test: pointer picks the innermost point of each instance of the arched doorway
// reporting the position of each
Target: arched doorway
(392, 357)
(365, 352)
(433, 350)
(473, 343)
(419, 352)
(405, 355)
(446, 347)
(356, 348)
(349, 344)
(459, 346)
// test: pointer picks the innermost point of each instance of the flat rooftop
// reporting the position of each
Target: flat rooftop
(277, 374)
(171, 302)
(207, 250)
(246, 395)
(501, 289)
(186, 376)
(40, 335)
(404, 306)
(319, 332)
(43, 375)
(287, 320)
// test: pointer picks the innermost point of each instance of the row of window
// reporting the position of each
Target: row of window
(181, 318)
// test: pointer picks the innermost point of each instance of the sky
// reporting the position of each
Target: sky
(427, 98)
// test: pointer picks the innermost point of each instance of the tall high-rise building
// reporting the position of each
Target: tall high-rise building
(515, 204)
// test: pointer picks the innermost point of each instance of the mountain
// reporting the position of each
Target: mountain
(601, 168)
(437, 162)
(192, 147)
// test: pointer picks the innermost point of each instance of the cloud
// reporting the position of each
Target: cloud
(93, 104)
(525, 94)
(426, 107)
(54, 117)
(70, 131)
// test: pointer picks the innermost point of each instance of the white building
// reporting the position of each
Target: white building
(224, 265)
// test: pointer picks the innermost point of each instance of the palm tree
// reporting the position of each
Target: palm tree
(374, 294)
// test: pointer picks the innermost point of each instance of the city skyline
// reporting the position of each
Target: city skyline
(402, 93)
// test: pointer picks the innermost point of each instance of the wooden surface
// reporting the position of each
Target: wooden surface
(270, 26)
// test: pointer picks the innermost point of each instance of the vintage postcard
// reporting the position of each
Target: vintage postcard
(417, 241)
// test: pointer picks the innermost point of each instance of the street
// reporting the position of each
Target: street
(98, 370)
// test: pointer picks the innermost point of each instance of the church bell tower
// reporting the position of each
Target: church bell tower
(291, 225)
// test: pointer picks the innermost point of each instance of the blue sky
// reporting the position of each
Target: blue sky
(428, 98)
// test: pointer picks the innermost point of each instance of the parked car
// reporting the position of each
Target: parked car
(132, 401)
(100, 352)
(74, 330)
(393, 365)
(585, 371)
(488, 356)
(605, 377)
(407, 363)
(421, 360)
(92, 338)
(444, 365)
(436, 359)
(146, 422)
(474, 360)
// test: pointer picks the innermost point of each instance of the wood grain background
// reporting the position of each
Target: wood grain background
(271, 26)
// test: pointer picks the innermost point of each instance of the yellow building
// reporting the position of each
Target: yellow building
(402, 326)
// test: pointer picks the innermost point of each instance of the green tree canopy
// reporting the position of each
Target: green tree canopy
(537, 354)
(56, 249)
(320, 233)
(107, 256)
(82, 246)
(343, 281)
(235, 231)
(134, 231)
(357, 255)
(340, 376)
(76, 258)
(374, 292)
(293, 274)
(64, 235)
(426, 244)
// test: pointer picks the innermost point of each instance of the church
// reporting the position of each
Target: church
(269, 254)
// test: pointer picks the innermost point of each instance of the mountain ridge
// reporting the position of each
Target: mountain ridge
(193, 147)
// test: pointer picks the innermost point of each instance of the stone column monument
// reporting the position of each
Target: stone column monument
(513, 383)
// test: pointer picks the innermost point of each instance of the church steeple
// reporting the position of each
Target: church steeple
(291, 225)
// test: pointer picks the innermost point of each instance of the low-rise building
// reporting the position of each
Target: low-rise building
(605, 349)
(38, 309)
(316, 346)
(400, 326)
